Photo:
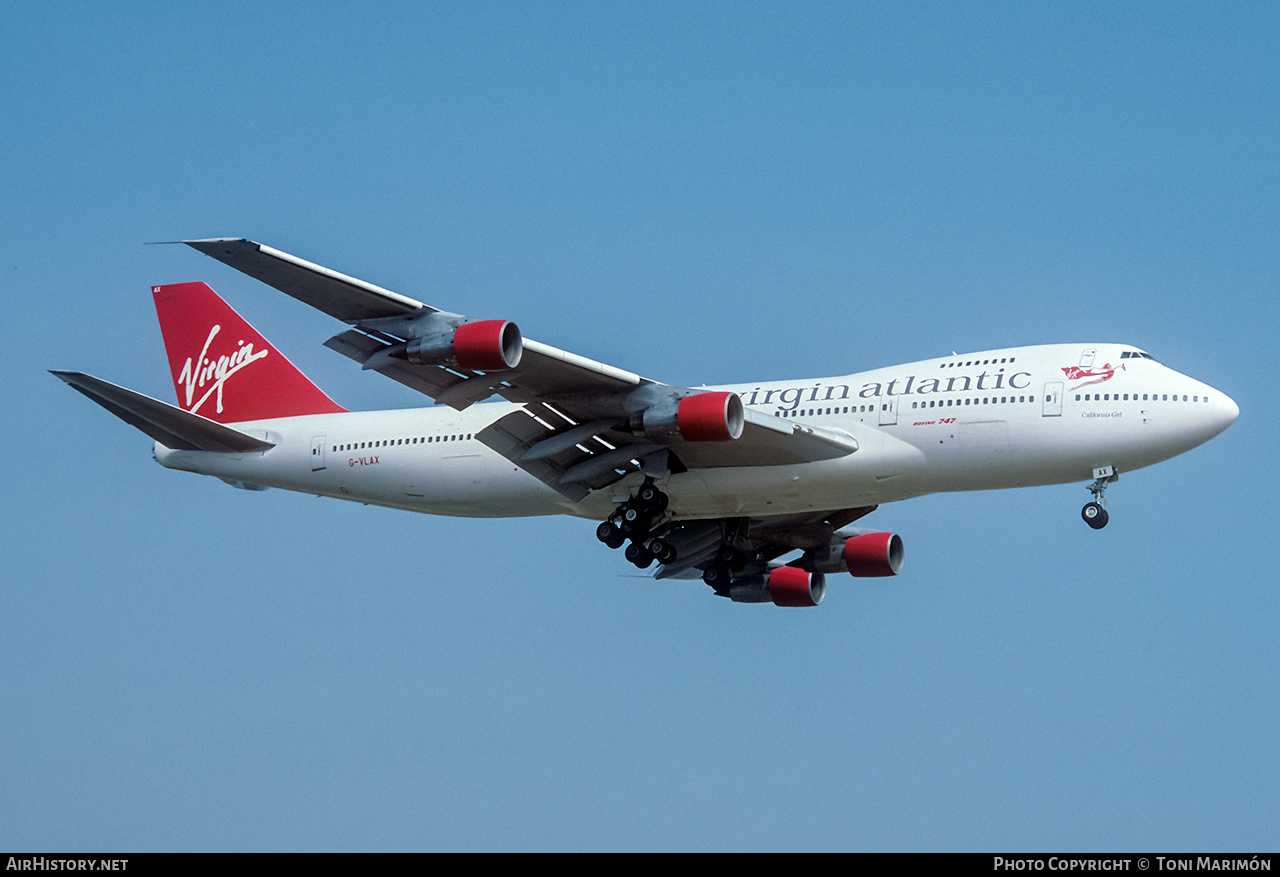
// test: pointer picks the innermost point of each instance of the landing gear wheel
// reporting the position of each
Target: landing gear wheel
(650, 499)
(717, 577)
(610, 535)
(1094, 515)
(647, 496)
(639, 555)
(731, 558)
(663, 550)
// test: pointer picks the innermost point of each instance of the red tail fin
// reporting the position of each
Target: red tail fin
(222, 368)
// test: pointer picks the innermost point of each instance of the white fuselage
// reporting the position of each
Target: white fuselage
(1003, 418)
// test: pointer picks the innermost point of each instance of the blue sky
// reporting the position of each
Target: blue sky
(706, 193)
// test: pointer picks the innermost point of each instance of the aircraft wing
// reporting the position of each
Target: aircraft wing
(583, 424)
(336, 294)
(766, 538)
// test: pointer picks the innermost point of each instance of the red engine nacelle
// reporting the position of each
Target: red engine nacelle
(702, 417)
(483, 346)
(873, 554)
(710, 417)
(863, 555)
(488, 346)
(789, 586)
(784, 585)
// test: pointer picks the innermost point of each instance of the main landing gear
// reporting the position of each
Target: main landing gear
(634, 520)
(729, 560)
(1095, 513)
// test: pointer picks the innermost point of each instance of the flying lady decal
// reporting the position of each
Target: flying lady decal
(1075, 373)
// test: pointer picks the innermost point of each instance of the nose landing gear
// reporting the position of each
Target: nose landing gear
(1095, 513)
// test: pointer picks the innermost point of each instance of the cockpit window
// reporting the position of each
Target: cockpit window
(1136, 354)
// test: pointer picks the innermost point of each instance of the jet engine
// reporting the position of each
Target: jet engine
(701, 417)
(485, 346)
(784, 585)
(861, 554)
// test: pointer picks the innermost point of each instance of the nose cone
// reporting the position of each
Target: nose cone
(1221, 412)
(1226, 411)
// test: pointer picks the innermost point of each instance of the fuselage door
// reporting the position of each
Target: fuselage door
(1052, 399)
(889, 411)
(1086, 358)
(317, 453)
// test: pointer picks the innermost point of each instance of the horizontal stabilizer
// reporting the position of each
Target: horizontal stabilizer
(167, 424)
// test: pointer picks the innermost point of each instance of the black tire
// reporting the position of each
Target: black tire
(1094, 515)
(639, 555)
(716, 576)
(647, 496)
(663, 550)
(606, 532)
(731, 558)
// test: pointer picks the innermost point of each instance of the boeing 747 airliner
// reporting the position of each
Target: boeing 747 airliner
(752, 487)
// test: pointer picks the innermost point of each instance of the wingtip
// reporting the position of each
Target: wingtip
(198, 243)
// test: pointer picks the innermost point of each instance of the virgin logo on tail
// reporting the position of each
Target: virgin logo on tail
(1075, 373)
(214, 372)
